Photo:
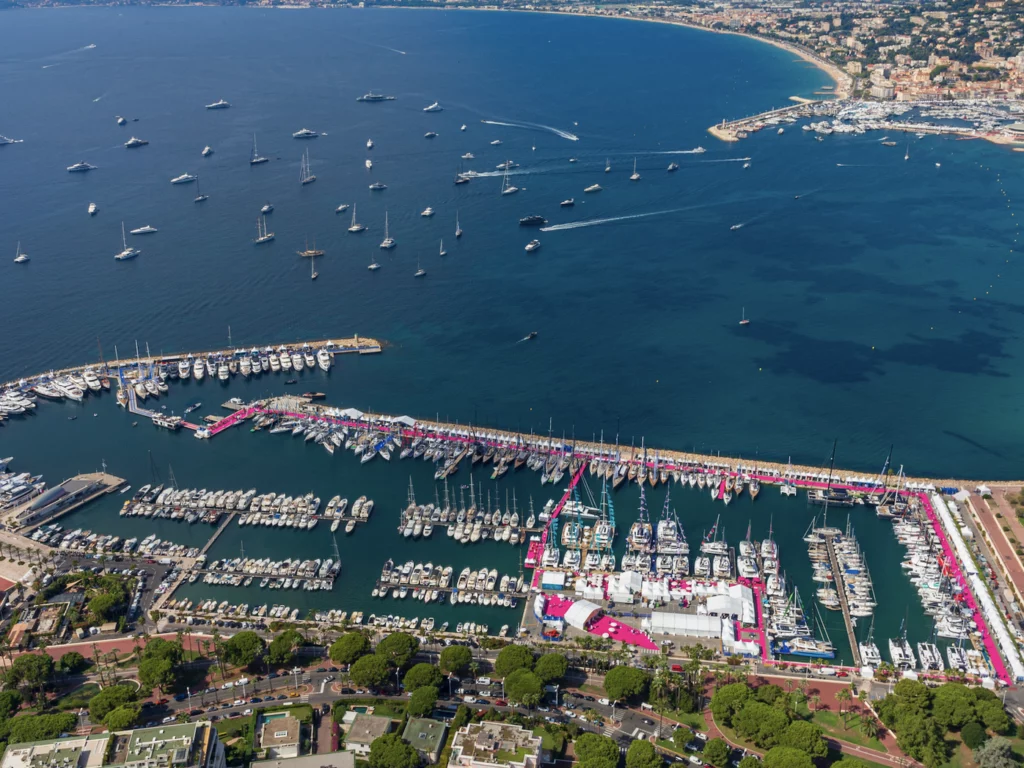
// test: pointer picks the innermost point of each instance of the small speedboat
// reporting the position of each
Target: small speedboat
(568, 203)
(207, 151)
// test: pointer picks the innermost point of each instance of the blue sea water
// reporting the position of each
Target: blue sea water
(883, 293)
(884, 301)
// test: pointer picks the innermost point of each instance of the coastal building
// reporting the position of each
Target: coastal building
(495, 745)
(362, 731)
(426, 736)
(187, 745)
(280, 736)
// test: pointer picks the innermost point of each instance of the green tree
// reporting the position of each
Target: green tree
(727, 701)
(455, 659)
(156, 673)
(422, 701)
(642, 754)
(681, 737)
(389, 751)
(122, 718)
(370, 671)
(349, 647)
(920, 737)
(40, 727)
(420, 675)
(398, 648)
(787, 757)
(751, 762)
(282, 648)
(110, 698)
(523, 687)
(596, 751)
(716, 752)
(511, 658)
(29, 672)
(72, 662)
(851, 762)
(551, 667)
(10, 703)
(974, 735)
(761, 723)
(806, 736)
(995, 753)
(244, 649)
(990, 710)
(158, 648)
(622, 683)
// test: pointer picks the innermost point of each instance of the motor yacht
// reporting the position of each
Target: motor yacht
(134, 142)
(207, 151)
(427, 212)
(305, 133)
(185, 178)
(219, 104)
(81, 167)
(378, 186)
(342, 208)
(93, 209)
(593, 188)
(532, 246)
(435, 107)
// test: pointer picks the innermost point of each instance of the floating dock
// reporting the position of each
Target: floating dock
(840, 582)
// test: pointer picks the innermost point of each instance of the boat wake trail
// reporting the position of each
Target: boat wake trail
(612, 219)
(100, 97)
(513, 172)
(47, 66)
(393, 50)
(694, 151)
(727, 160)
(535, 127)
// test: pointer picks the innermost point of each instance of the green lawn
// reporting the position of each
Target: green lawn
(669, 745)
(235, 726)
(832, 724)
(505, 756)
(693, 719)
(593, 690)
(547, 739)
(77, 698)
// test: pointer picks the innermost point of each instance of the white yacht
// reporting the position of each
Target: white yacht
(254, 156)
(93, 209)
(506, 188)
(532, 246)
(388, 241)
(185, 178)
(266, 209)
(81, 167)
(306, 176)
(121, 120)
(146, 230)
(134, 142)
(262, 235)
(305, 133)
(469, 156)
(369, 163)
(369, 143)
(207, 151)
(219, 104)
(355, 226)
(19, 257)
(593, 188)
(342, 208)
(378, 186)
(435, 107)
(323, 359)
(427, 212)
(127, 253)
(635, 176)
(496, 142)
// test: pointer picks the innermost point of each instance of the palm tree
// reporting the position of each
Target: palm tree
(843, 696)
(815, 700)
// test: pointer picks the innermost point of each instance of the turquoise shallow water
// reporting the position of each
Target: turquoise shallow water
(883, 293)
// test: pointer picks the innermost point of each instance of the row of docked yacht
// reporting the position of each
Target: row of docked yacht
(941, 597)
(186, 607)
(70, 386)
(280, 582)
(267, 567)
(16, 488)
(853, 577)
(333, 436)
(254, 362)
(399, 623)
